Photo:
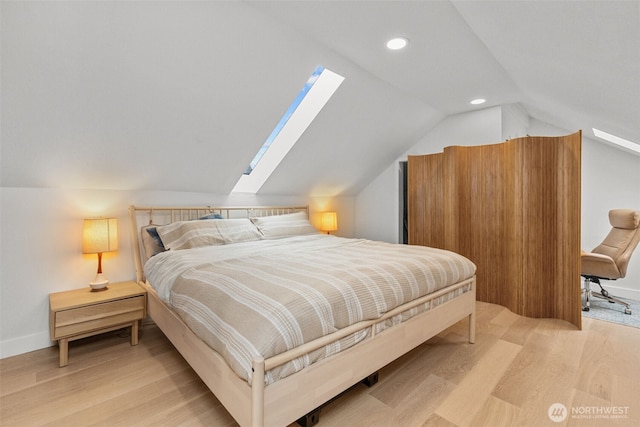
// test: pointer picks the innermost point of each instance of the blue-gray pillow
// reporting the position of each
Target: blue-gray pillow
(151, 241)
(212, 216)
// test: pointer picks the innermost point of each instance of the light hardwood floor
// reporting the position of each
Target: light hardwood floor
(515, 371)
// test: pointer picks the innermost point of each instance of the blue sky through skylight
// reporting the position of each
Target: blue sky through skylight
(315, 94)
(285, 118)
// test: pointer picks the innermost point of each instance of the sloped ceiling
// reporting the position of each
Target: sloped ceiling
(576, 63)
(180, 95)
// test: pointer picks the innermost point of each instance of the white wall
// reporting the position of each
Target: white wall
(610, 179)
(41, 251)
(377, 206)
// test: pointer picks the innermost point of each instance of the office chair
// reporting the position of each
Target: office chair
(609, 260)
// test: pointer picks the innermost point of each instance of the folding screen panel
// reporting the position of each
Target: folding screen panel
(513, 208)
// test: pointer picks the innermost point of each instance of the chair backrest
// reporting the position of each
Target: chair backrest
(622, 239)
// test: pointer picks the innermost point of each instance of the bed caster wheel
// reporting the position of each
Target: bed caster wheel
(585, 309)
(310, 419)
(370, 380)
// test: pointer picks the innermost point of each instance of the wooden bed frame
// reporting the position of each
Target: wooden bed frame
(288, 399)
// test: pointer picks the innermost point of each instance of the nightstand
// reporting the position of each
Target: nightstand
(81, 313)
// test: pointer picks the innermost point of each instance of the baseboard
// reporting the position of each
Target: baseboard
(618, 291)
(26, 344)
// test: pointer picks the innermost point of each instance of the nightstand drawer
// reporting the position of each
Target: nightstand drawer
(98, 316)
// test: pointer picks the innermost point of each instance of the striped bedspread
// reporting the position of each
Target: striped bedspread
(266, 297)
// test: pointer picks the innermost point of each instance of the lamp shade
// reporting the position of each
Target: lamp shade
(328, 221)
(99, 235)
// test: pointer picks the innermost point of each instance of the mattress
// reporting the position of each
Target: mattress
(262, 298)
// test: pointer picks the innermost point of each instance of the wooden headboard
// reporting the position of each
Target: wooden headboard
(161, 215)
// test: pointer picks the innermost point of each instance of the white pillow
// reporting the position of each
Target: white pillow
(279, 226)
(209, 232)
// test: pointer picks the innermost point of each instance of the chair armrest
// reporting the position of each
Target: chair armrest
(599, 265)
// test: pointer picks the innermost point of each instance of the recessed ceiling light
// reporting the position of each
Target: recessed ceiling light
(397, 43)
(478, 101)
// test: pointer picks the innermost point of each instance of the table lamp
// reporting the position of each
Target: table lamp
(329, 222)
(99, 235)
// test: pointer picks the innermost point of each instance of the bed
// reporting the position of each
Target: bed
(278, 319)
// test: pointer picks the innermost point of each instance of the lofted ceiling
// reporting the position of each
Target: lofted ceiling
(180, 95)
(574, 64)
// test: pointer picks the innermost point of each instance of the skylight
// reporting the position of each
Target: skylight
(616, 140)
(303, 110)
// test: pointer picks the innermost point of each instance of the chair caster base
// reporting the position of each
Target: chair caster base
(585, 309)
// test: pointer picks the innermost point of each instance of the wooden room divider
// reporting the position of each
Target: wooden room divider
(513, 208)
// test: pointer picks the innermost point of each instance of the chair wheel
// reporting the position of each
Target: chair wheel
(585, 308)
(627, 311)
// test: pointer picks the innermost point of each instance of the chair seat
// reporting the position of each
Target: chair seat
(599, 265)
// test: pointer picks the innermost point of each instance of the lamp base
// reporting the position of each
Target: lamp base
(99, 283)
